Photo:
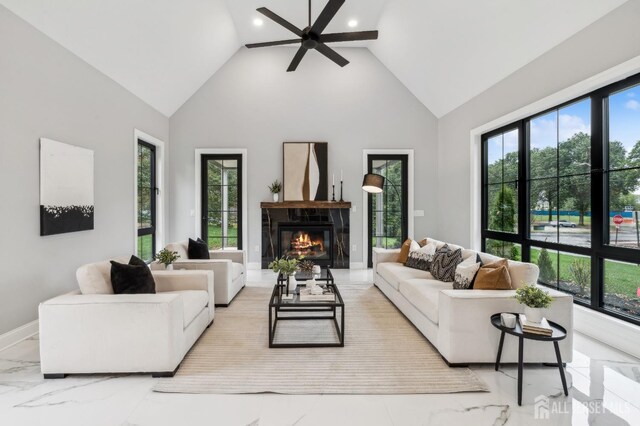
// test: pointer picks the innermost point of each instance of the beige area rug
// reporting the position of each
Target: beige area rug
(383, 353)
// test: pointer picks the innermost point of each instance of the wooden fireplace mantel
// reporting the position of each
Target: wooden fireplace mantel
(306, 205)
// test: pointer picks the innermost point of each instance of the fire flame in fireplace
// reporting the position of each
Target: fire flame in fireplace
(304, 242)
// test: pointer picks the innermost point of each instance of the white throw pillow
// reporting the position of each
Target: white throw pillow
(466, 272)
(422, 257)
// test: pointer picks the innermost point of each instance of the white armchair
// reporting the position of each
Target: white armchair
(229, 267)
(92, 331)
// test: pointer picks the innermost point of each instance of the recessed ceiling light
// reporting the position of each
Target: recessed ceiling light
(352, 23)
(258, 22)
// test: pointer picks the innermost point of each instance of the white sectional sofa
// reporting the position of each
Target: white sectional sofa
(457, 322)
(228, 266)
(96, 331)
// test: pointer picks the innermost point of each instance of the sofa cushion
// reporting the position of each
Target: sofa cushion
(394, 272)
(237, 269)
(444, 263)
(95, 278)
(424, 294)
(493, 276)
(132, 278)
(193, 302)
(198, 249)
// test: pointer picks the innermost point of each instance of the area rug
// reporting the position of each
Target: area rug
(383, 353)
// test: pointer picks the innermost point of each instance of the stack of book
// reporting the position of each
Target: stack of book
(327, 295)
(543, 328)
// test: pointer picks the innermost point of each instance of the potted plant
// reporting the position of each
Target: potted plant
(275, 189)
(167, 258)
(534, 300)
(286, 267)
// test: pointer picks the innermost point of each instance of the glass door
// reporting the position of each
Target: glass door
(222, 201)
(388, 210)
(147, 192)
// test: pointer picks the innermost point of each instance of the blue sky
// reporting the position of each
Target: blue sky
(546, 130)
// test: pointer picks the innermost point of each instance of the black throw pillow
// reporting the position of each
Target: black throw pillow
(134, 278)
(198, 249)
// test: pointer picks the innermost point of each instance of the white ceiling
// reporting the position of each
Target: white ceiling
(444, 52)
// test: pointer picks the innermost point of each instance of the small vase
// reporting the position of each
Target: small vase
(276, 196)
(169, 267)
(293, 283)
(533, 314)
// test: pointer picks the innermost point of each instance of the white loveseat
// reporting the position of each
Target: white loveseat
(92, 330)
(229, 267)
(457, 322)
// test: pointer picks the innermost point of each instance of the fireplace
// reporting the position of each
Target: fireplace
(301, 241)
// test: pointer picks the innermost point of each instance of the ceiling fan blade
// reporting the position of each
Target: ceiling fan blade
(296, 59)
(331, 54)
(353, 36)
(288, 25)
(326, 16)
(273, 43)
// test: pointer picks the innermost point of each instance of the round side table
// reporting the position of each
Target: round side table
(559, 333)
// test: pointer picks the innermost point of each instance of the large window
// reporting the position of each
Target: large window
(222, 201)
(562, 189)
(147, 193)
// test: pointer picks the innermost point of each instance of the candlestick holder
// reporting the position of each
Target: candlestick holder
(333, 197)
(341, 200)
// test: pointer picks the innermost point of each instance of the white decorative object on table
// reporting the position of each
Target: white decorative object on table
(293, 283)
(311, 284)
(533, 314)
(508, 320)
(276, 197)
(316, 269)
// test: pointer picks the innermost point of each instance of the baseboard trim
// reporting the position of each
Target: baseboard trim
(356, 265)
(254, 266)
(17, 335)
(608, 330)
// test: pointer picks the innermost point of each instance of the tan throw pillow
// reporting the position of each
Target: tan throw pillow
(493, 276)
(404, 251)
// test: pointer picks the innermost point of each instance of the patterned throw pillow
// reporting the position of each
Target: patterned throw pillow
(421, 258)
(466, 273)
(445, 262)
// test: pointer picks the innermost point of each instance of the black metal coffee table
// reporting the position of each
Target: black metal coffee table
(295, 310)
(559, 333)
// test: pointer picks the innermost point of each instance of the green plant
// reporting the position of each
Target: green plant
(306, 266)
(533, 297)
(275, 187)
(547, 272)
(284, 266)
(580, 273)
(166, 257)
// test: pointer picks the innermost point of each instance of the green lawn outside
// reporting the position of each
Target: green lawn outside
(215, 240)
(538, 218)
(620, 278)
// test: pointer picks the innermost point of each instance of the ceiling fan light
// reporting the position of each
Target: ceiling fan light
(258, 22)
(352, 23)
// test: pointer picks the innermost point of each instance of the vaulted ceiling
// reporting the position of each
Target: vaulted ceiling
(444, 52)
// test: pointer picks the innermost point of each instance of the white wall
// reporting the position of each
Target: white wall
(253, 103)
(45, 91)
(608, 42)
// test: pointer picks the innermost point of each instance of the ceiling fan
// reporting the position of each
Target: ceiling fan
(311, 37)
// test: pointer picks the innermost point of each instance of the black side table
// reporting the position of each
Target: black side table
(559, 333)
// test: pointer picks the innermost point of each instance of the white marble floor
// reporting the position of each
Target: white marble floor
(605, 390)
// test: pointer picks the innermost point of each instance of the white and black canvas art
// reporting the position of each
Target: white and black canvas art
(305, 171)
(66, 188)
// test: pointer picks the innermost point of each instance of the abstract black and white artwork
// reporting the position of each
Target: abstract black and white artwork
(305, 171)
(66, 188)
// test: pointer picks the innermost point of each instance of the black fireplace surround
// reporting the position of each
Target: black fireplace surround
(320, 235)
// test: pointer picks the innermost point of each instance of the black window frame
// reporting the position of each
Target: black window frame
(404, 159)
(600, 251)
(204, 205)
(151, 230)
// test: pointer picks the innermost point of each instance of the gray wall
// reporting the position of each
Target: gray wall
(45, 91)
(608, 42)
(253, 103)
